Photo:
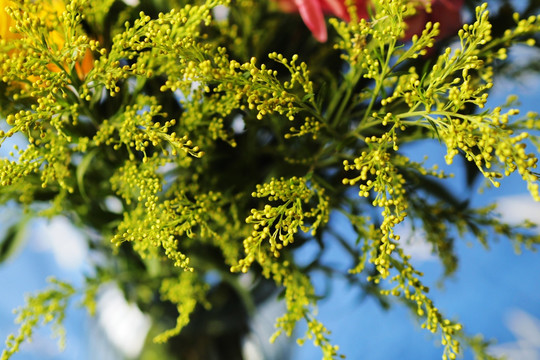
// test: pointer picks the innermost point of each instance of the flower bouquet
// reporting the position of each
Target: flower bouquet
(205, 148)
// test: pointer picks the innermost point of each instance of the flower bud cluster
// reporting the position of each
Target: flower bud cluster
(300, 300)
(410, 287)
(139, 129)
(43, 163)
(488, 141)
(297, 203)
(353, 41)
(310, 126)
(186, 291)
(299, 73)
(379, 175)
(138, 184)
(45, 307)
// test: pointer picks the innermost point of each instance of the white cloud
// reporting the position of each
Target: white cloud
(124, 324)
(517, 208)
(414, 244)
(256, 346)
(238, 125)
(114, 204)
(526, 329)
(221, 12)
(66, 242)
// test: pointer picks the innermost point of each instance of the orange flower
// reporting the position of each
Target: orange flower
(51, 9)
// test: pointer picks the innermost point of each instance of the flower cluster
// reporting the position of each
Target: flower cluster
(48, 306)
(208, 167)
(280, 223)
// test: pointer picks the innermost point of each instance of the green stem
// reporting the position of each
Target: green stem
(335, 100)
(335, 119)
(380, 80)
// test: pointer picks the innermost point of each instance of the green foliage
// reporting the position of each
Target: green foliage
(146, 109)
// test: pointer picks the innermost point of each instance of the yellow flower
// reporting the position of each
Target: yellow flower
(6, 21)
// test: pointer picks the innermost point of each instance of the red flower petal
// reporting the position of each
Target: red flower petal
(312, 14)
(336, 7)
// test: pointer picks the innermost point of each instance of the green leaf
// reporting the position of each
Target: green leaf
(81, 170)
(13, 239)
(434, 128)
